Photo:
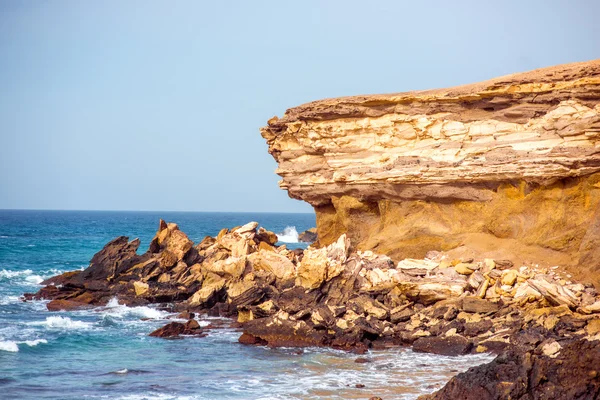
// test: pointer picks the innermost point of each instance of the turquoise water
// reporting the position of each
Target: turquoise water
(106, 352)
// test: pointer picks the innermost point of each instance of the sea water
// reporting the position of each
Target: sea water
(106, 353)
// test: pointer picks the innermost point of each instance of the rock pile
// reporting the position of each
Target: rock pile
(335, 296)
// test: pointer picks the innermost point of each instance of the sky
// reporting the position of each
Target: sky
(157, 105)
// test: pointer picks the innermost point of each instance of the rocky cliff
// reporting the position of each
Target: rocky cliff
(509, 166)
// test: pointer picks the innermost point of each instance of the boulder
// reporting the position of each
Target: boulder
(448, 346)
(175, 329)
(322, 265)
(308, 236)
(280, 266)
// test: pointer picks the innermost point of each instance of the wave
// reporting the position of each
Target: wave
(6, 300)
(119, 311)
(27, 276)
(13, 346)
(289, 235)
(63, 323)
(9, 345)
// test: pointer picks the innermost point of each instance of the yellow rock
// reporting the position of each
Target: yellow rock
(140, 288)
(481, 349)
(463, 269)
(245, 316)
(509, 277)
(593, 327)
(272, 262)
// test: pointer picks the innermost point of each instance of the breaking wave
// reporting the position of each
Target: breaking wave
(289, 235)
(119, 311)
(13, 347)
(63, 323)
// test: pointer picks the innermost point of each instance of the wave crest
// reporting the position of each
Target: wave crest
(65, 323)
(289, 235)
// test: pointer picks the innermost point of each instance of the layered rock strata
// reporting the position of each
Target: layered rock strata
(507, 166)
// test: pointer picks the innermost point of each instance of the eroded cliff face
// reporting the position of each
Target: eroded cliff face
(510, 165)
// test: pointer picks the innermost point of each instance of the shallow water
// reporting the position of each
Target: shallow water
(106, 353)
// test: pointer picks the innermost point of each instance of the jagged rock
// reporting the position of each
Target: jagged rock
(555, 294)
(117, 256)
(571, 374)
(172, 244)
(321, 265)
(265, 236)
(244, 293)
(308, 236)
(280, 266)
(415, 267)
(211, 287)
(141, 288)
(232, 267)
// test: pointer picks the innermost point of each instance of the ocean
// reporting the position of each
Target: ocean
(106, 353)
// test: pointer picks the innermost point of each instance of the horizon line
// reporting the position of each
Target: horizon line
(149, 211)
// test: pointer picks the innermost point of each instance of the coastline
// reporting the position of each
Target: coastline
(281, 303)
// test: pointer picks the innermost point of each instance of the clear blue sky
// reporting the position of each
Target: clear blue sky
(156, 105)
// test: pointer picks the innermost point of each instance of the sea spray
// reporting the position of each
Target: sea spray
(289, 235)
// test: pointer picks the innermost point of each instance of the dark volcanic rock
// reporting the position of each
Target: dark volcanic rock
(573, 374)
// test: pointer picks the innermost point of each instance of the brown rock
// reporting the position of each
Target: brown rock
(308, 236)
(476, 305)
(447, 346)
(65, 305)
(571, 374)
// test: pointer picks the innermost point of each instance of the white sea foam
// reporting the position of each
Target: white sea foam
(289, 235)
(63, 323)
(13, 346)
(27, 276)
(9, 345)
(8, 274)
(157, 396)
(115, 310)
(5, 300)
(35, 279)
(32, 343)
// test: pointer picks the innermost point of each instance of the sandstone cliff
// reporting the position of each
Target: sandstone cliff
(507, 166)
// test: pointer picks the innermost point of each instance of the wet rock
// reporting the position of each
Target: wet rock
(65, 305)
(572, 374)
(448, 346)
(175, 329)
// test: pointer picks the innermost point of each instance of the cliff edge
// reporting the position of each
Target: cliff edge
(507, 166)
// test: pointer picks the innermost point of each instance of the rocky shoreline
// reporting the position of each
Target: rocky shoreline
(537, 319)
